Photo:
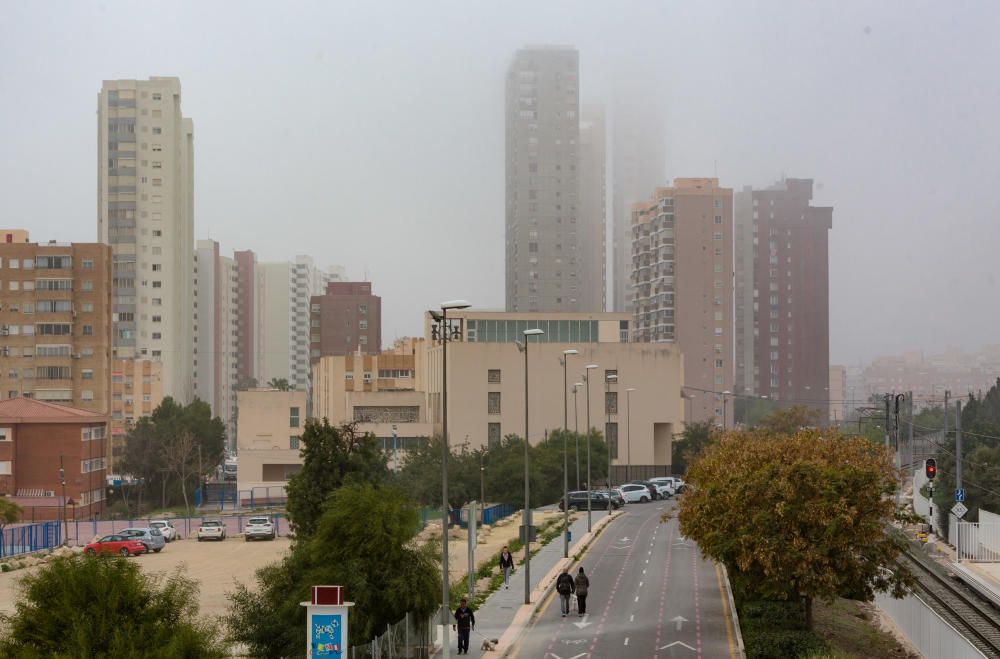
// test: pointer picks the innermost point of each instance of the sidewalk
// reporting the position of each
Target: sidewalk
(498, 611)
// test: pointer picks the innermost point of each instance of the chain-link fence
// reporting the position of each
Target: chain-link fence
(410, 638)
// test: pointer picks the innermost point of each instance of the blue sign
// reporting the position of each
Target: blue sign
(960, 494)
(325, 635)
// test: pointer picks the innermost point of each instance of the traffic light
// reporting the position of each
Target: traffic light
(930, 468)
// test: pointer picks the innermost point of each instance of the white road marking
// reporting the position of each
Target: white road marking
(631, 618)
(644, 571)
(626, 640)
(636, 598)
(681, 643)
(679, 620)
(640, 584)
(583, 623)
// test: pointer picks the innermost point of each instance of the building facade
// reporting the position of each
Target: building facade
(267, 440)
(346, 318)
(249, 318)
(37, 440)
(682, 278)
(216, 332)
(55, 323)
(839, 404)
(789, 275)
(145, 211)
(543, 239)
(136, 390)
(592, 210)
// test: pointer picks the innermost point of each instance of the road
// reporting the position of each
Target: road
(651, 595)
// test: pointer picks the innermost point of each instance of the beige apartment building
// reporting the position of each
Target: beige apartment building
(486, 385)
(55, 323)
(145, 211)
(136, 390)
(682, 280)
(267, 440)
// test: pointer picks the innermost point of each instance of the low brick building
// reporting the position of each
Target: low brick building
(35, 438)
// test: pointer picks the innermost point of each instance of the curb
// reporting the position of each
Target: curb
(527, 611)
(732, 612)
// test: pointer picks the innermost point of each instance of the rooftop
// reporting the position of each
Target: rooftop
(29, 410)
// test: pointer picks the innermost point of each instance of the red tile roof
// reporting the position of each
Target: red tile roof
(29, 410)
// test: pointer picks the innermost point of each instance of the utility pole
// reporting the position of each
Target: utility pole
(899, 451)
(958, 475)
(946, 395)
(887, 398)
(909, 441)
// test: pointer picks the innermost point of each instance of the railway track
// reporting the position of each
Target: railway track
(965, 610)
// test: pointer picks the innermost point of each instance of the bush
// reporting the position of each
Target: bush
(783, 644)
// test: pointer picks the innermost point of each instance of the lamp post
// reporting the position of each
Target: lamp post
(565, 358)
(590, 507)
(725, 407)
(527, 480)
(62, 481)
(445, 605)
(628, 431)
(576, 429)
(607, 427)
(482, 479)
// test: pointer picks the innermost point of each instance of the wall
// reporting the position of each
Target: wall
(264, 431)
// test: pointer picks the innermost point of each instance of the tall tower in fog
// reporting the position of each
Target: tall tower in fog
(145, 211)
(543, 236)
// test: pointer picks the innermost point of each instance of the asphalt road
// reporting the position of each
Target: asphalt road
(651, 595)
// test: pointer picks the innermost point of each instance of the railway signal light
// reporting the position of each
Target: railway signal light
(930, 468)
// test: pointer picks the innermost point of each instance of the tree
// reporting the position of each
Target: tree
(10, 512)
(789, 420)
(99, 606)
(363, 542)
(798, 516)
(180, 457)
(690, 443)
(281, 384)
(332, 456)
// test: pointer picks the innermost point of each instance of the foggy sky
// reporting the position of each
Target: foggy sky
(371, 134)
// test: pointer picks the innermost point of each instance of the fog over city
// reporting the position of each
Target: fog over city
(371, 134)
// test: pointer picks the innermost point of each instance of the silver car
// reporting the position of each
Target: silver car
(150, 537)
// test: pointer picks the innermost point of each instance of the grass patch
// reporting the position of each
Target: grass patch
(849, 631)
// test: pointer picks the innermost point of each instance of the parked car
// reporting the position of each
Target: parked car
(150, 537)
(211, 529)
(676, 483)
(578, 501)
(654, 493)
(617, 496)
(665, 489)
(635, 493)
(165, 527)
(115, 544)
(259, 527)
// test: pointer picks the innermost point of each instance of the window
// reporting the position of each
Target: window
(88, 330)
(610, 375)
(718, 267)
(4, 434)
(88, 285)
(611, 402)
(493, 402)
(611, 433)
(157, 130)
(87, 374)
(717, 203)
(493, 435)
(157, 267)
(87, 394)
(157, 147)
(13, 285)
(293, 442)
(363, 324)
(157, 96)
(718, 348)
(717, 235)
(5, 467)
(293, 417)
(363, 309)
(718, 219)
(348, 375)
(493, 376)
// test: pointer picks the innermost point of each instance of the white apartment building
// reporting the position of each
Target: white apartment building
(216, 342)
(288, 288)
(145, 211)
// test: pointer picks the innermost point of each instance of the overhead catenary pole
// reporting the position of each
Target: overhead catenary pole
(576, 431)
(909, 439)
(590, 507)
(565, 360)
(958, 475)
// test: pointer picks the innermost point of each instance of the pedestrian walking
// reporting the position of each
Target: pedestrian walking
(465, 621)
(565, 587)
(507, 565)
(582, 586)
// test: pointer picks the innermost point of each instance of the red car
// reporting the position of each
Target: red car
(115, 544)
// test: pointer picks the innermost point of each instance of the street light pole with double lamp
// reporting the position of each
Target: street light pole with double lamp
(628, 431)
(526, 521)
(612, 378)
(590, 507)
(564, 360)
(576, 430)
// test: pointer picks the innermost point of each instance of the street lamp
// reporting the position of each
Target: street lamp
(565, 358)
(628, 431)
(590, 507)
(725, 407)
(607, 427)
(442, 318)
(576, 429)
(527, 481)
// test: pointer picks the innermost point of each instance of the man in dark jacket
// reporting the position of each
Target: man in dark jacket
(565, 587)
(582, 586)
(465, 620)
(507, 566)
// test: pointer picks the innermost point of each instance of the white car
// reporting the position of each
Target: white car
(676, 484)
(634, 493)
(259, 527)
(164, 527)
(665, 490)
(211, 529)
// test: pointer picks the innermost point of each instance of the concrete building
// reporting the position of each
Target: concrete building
(638, 154)
(789, 275)
(288, 289)
(249, 318)
(13, 235)
(145, 211)
(346, 318)
(55, 323)
(36, 438)
(544, 255)
(593, 207)
(267, 440)
(929, 376)
(216, 333)
(136, 390)
(682, 278)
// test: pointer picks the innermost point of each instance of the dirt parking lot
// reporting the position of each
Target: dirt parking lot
(217, 566)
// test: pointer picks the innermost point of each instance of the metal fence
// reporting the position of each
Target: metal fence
(80, 532)
(489, 515)
(410, 638)
(929, 632)
(27, 538)
(975, 541)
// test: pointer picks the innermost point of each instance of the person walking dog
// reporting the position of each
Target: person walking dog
(582, 586)
(565, 587)
(465, 620)
(507, 565)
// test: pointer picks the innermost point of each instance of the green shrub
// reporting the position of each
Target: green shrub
(782, 644)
